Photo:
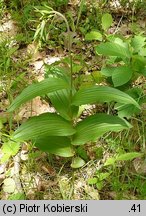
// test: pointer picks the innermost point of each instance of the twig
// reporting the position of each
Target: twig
(16, 173)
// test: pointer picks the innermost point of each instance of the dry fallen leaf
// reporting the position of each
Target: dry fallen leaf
(48, 169)
(139, 165)
(9, 185)
(34, 108)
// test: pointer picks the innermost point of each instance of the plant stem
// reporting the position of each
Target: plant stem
(80, 12)
(69, 48)
(72, 185)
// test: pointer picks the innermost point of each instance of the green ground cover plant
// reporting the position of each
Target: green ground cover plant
(97, 91)
(125, 62)
(59, 133)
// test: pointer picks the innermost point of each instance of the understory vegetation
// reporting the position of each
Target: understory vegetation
(72, 99)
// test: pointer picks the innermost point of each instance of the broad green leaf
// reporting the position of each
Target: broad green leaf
(112, 59)
(121, 75)
(128, 110)
(143, 99)
(9, 149)
(113, 49)
(119, 41)
(76, 68)
(97, 76)
(93, 35)
(103, 176)
(144, 72)
(61, 98)
(95, 126)
(95, 94)
(81, 109)
(107, 71)
(77, 162)
(138, 63)
(122, 157)
(61, 101)
(142, 51)
(128, 156)
(5, 158)
(138, 42)
(60, 146)
(82, 153)
(99, 185)
(58, 72)
(17, 196)
(110, 161)
(84, 80)
(106, 21)
(92, 181)
(48, 124)
(38, 89)
(1, 124)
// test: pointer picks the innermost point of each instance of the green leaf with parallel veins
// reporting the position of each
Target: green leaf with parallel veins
(128, 156)
(142, 51)
(17, 196)
(38, 89)
(95, 126)
(138, 42)
(61, 101)
(9, 149)
(110, 161)
(138, 63)
(113, 49)
(92, 181)
(1, 124)
(95, 94)
(103, 176)
(93, 35)
(80, 151)
(106, 21)
(107, 71)
(60, 146)
(128, 110)
(48, 124)
(121, 75)
(77, 162)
